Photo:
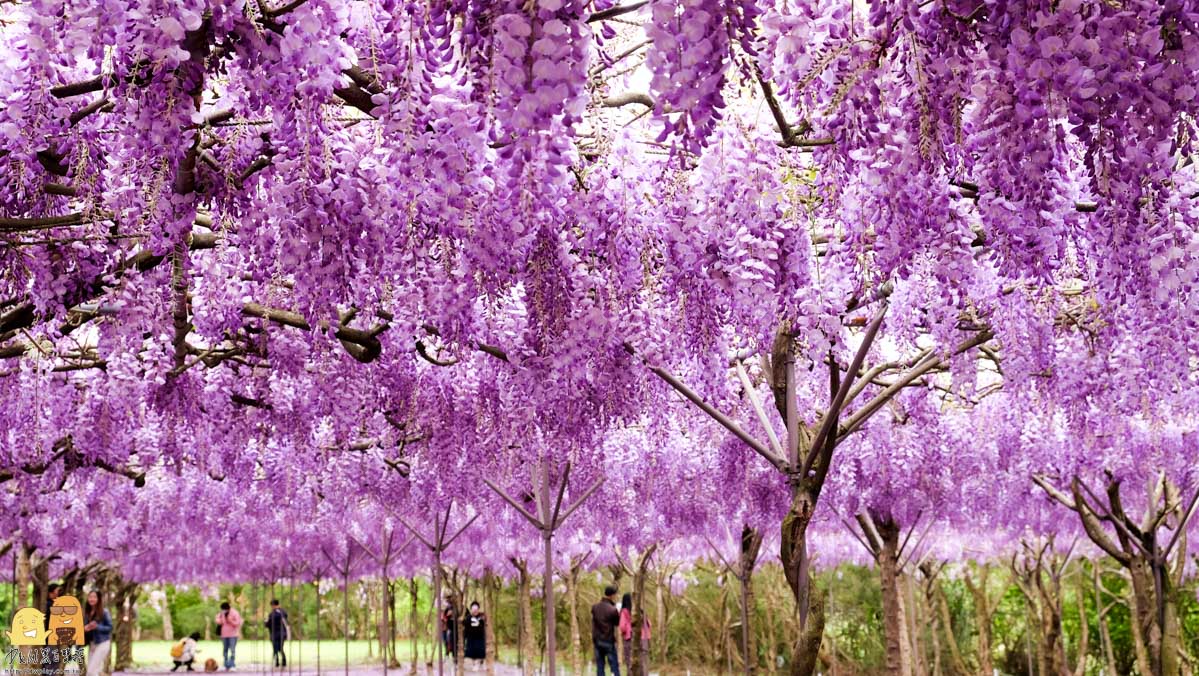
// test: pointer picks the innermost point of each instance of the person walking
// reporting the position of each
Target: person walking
(187, 652)
(449, 628)
(475, 634)
(276, 624)
(604, 619)
(97, 633)
(229, 620)
(626, 636)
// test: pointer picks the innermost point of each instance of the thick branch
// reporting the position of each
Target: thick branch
(515, 505)
(863, 414)
(716, 415)
(627, 98)
(829, 424)
(1090, 522)
(367, 341)
(616, 11)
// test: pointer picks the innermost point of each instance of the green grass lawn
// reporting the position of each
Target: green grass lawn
(153, 653)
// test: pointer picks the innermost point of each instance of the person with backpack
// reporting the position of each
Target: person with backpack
(183, 653)
(229, 620)
(276, 624)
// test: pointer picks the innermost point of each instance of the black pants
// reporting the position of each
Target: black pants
(188, 664)
(277, 650)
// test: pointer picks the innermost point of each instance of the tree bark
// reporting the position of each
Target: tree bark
(914, 618)
(414, 630)
(572, 601)
(936, 641)
(40, 574)
(455, 582)
(124, 617)
(528, 652)
(982, 621)
(807, 647)
(1084, 635)
(895, 628)
(661, 594)
(1109, 653)
(382, 622)
(168, 628)
(491, 585)
(794, 558)
(637, 665)
(956, 663)
(1155, 626)
(751, 544)
(1142, 614)
(24, 579)
(1155, 649)
(1040, 582)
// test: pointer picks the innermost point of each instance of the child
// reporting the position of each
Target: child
(188, 656)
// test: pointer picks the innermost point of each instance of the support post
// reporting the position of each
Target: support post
(547, 522)
(438, 544)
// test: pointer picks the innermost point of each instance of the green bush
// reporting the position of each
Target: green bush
(149, 621)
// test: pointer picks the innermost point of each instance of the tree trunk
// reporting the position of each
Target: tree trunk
(982, 622)
(751, 544)
(807, 647)
(124, 617)
(382, 620)
(572, 601)
(1040, 582)
(168, 628)
(898, 646)
(1084, 636)
(460, 624)
(942, 619)
(414, 630)
(1142, 615)
(914, 619)
(661, 594)
(491, 585)
(936, 641)
(24, 575)
(793, 555)
(394, 624)
(1109, 653)
(525, 604)
(40, 574)
(455, 582)
(637, 665)
(1171, 664)
(1049, 660)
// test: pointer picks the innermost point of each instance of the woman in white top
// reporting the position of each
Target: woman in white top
(189, 652)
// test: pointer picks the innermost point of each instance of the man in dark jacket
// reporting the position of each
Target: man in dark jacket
(52, 592)
(604, 618)
(276, 624)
